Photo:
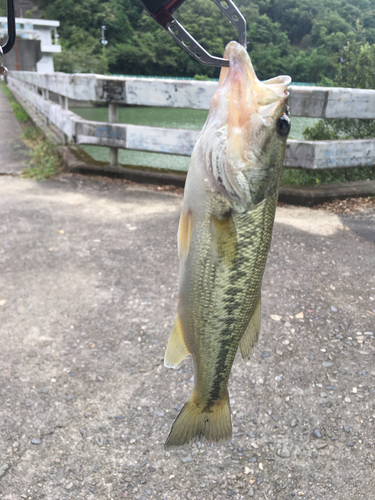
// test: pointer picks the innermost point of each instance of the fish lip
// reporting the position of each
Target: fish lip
(239, 64)
(241, 68)
(234, 51)
(279, 84)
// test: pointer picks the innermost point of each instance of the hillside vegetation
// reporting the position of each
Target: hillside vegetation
(298, 37)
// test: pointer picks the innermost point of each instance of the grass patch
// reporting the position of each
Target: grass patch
(19, 112)
(44, 158)
(344, 129)
(333, 129)
(297, 177)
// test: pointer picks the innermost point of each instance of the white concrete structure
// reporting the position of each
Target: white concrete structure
(319, 102)
(316, 102)
(37, 29)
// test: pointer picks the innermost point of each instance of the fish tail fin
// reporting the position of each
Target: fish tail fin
(199, 421)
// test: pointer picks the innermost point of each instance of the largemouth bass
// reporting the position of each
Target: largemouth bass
(223, 240)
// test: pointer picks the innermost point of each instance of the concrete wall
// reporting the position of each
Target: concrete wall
(26, 53)
(45, 65)
(30, 31)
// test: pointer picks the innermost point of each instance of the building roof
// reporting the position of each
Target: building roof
(35, 22)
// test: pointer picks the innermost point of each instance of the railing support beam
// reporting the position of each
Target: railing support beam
(113, 118)
(45, 95)
(64, 103)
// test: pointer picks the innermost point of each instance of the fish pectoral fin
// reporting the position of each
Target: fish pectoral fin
(176, 348)
(185, 230)
(250, 337)
(225, 238)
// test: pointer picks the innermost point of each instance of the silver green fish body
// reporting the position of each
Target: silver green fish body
(224, 238)
(216, 316)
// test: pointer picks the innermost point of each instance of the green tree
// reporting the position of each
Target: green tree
(86, 60)
(356, 69)
(357, 66)
(297, 37)
(3, 8)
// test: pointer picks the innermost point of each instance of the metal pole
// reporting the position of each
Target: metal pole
(16, 55)
(103, 40)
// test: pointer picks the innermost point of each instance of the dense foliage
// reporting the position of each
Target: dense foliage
(356, 69)
(3, 8)
(298, 37)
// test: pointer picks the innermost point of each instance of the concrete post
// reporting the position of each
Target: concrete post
(64, 105)
(113, 118)
(63, 102)
(45, 94)
(35, 90)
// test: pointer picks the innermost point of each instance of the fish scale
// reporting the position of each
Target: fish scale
(235, 293)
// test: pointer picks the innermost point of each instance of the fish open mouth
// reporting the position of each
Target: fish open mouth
(239, 141)
(243, 88)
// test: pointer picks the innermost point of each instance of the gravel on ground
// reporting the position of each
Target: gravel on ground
(88, 293)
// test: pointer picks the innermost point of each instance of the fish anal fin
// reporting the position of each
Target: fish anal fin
(198, 421)
(225, 238)
(185, 230)
(250, 337)
(176, 348)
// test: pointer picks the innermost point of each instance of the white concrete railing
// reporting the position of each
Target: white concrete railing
(316, 102)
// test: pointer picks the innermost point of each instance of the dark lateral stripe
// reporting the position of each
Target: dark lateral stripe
(228, 344)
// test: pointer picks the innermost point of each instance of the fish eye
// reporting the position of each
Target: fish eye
(283, 125)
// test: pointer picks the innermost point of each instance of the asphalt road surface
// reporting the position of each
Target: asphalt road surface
(363, 223)
(88, 294)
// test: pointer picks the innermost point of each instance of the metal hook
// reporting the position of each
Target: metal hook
(161, 11)
(8, 45)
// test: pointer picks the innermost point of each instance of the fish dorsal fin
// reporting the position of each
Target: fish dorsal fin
(176, 348)
(225, 238)
(250, 337)
(185, 230)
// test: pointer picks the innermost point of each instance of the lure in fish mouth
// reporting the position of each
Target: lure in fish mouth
(223, 240)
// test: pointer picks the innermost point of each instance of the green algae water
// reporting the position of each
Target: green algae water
(190, 119)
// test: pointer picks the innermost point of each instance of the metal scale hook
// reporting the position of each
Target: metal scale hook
(8, 45)
(161, 11)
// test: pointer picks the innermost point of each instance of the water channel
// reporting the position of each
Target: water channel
(192, 119)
